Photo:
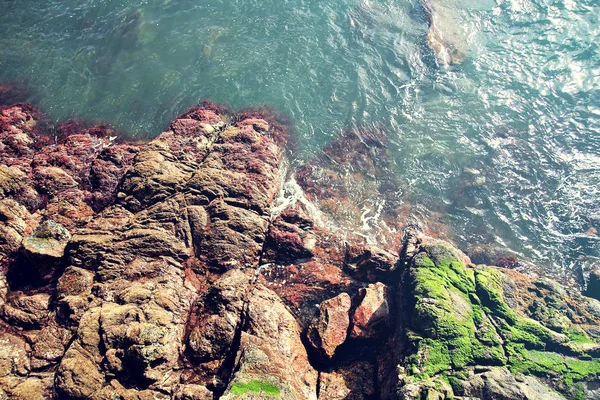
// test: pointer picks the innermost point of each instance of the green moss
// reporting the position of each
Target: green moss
(568, 370)
(433, 356)
(489, 289)
(448, 313)
(460, 318)
(577, 335)
(457, 385)
(256, 387)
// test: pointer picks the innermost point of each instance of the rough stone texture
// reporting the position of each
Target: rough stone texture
(184, 268)
(373, 314)
(329, 330)
(351, 382)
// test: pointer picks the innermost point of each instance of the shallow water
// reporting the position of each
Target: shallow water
(504, 148)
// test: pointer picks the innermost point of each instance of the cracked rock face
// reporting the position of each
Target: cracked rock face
(170, 270)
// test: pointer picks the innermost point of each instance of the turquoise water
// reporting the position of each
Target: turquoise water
(504, 147)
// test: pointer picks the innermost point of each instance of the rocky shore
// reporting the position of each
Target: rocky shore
(196, 266)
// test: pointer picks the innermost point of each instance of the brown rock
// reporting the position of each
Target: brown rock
(328, 331)
(13, 356)
(192, 392)
(49, 345)
(351, 382)
(33, 389)
(46, 247)
(370, 263)
(271, 350)
(78, 376)
(373, 313)
(26, 310)
(219, 317)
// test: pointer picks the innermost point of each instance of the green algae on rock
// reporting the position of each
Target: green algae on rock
(256, 387)
(461, 323)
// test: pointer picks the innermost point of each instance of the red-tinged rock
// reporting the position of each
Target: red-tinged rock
(165, 164)
(15, 223)
(26, 311)
(370, 263)
(271, 350)
(218, 318)
(290, 239)
(305, 285)
(329, 329)
(372, 315)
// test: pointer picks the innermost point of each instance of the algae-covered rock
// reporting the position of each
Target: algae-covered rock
(462, 324)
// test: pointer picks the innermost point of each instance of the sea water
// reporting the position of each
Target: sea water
(503, 148)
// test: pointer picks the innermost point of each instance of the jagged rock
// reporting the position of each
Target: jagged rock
(290, 239)
(15, 222)
(219, 318)
(14, 360)
(33, 389)
(372, 315)
(49, 345)
(271, 357)
(78, 376)
(193, 392)
(187, 277)
(26, 310)
(371, 263)
(329, 329)
(46, 247)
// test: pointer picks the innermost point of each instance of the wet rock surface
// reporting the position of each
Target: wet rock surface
(183, 268)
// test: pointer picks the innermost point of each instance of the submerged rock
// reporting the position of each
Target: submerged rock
(175, 270)
(446, 36)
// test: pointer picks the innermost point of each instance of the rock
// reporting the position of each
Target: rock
(271, 356)
(190, 275)
(15, 222)
(351, 382)
(446, 36)
(33, 389)
(371, 263)
(219, 317)
(372, 315)
(46, 246)
(499, 383)
(78, 376)
(49, 345)
(26, 310)
(14, 360)
(330, 328)
(193, 392)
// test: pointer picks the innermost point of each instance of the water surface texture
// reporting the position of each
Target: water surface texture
(504, 147)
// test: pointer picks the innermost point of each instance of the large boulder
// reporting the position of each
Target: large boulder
(329, 329)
